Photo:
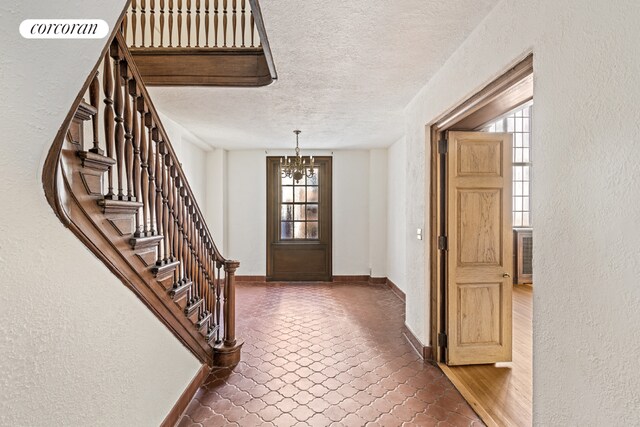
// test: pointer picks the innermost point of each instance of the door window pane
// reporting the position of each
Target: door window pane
(299, 230)
(287, 194)
(286, 230)
(299, 207)
(312, 230)
(287, 213)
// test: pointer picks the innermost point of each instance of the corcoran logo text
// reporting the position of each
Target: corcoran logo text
(64, 29)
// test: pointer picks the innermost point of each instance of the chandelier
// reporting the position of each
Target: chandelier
(296, 167)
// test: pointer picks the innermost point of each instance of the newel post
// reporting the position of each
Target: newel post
(230, 268)
(227, 353)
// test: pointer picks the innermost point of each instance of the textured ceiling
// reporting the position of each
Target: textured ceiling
(346, 70)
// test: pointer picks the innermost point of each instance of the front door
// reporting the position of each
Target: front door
(479, 238)
(299, 223)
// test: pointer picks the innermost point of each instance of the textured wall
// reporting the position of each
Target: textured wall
(586, 194)
(76, 346)
(378, 212)
(192, 153)
(246, 172)
(396, 214)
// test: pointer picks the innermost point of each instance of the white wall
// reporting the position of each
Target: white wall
(587, 193)
(216, 197)
(192, 154)
(396, 215)
(378, 212)
(78, 348)
(246, 210)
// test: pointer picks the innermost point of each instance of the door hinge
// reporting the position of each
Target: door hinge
(442, 243)
(443, 145)
(442, 340)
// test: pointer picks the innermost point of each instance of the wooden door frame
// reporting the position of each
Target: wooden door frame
(324, 163)
(504, 94)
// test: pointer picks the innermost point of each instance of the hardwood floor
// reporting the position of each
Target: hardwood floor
(502, 393)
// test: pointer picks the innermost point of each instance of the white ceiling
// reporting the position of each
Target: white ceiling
(346, 70)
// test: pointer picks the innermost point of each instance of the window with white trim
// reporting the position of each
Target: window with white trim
(518, 123)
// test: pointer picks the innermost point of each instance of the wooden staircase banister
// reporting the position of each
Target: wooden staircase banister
(197, 43)
(124, 194)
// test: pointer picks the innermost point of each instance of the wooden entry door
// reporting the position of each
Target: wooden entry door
(299, 224)
(480, 254)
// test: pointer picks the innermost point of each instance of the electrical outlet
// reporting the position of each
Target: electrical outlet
(419, 234)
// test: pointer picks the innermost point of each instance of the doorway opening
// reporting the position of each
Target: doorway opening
(299, 235)
(480, 222)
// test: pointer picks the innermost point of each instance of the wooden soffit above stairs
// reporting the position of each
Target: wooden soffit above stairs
(244, 67)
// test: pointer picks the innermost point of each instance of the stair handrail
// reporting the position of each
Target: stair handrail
(189, 249)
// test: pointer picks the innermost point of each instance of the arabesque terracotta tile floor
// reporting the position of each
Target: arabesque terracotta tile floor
(325, 355)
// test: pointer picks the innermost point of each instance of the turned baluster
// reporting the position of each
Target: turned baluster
(179, 23)
(159, 197)
(118, 107)
(137, 162)
(152, 20)
(243, 23)
(94, 99)
(144, 165)
(176, 235)
(224, 23)
(230, 268)
(188, 23)
(170, 23)
(152, 167)
(218, 300)
(128, 135)
(162, 200)
(181, 234)
(215, 22)
(143, 21)
(161, 23)
(134, 23)
(253, 29)
(234, 22)
(107, 87)
(197, 23)
(123, 26)
(206, 23)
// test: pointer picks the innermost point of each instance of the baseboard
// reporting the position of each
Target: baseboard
(396, 290)
(185, 398)
(424, 351)
(255, 279)
(350, 278)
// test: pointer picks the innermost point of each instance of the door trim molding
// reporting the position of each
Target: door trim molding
(507, 92)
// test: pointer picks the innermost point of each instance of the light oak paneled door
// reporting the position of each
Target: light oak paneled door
(479, 285)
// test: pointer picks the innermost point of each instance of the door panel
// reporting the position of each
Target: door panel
(299, 224)
(480, 248)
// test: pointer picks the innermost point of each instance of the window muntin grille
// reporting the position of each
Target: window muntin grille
(519, 124)
(299, 208)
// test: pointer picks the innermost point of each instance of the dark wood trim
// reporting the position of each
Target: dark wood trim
(507, 92)
(264, 40)
(186, 397)
(361, 278)
(377, 280)
(396, 290)
(424, 351)
(253, 279)
(174, 66)
(284, 257)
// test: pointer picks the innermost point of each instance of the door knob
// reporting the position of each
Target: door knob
(505, 275)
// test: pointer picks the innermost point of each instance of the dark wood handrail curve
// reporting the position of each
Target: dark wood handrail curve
(126, 197)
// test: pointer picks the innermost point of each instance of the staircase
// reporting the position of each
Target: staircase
(114, 180)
